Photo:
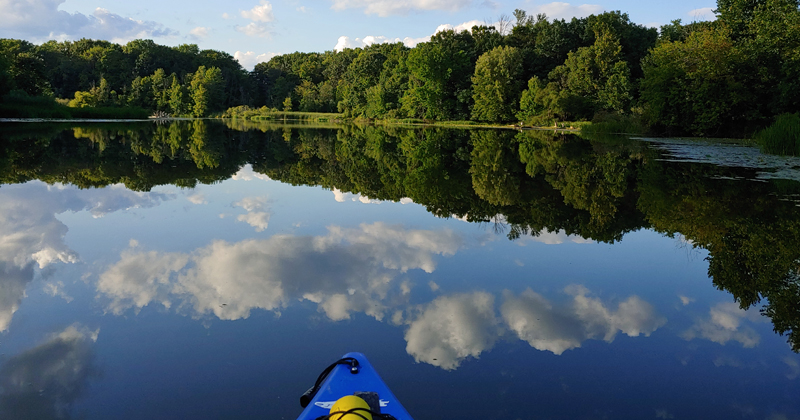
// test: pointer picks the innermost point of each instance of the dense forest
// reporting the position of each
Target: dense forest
(183, 80)
(537, 180)
(728, 77)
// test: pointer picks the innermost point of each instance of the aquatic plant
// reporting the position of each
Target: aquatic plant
(782, 137)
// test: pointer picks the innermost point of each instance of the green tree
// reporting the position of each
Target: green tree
(103, 93)
(83, 100)
(206, 88)
(25, 67)
(695, 86)
(160, 84)
(597, 73)
(591, 79)
(6, 81)
(362, 74)
(141, 93)
(439, 84)
(496, 85)
(178, 98)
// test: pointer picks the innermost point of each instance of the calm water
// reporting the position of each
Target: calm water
(203, 270)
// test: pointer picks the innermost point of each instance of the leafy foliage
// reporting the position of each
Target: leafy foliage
(496, 85)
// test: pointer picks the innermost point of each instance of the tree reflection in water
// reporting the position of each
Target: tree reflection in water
(535, 181)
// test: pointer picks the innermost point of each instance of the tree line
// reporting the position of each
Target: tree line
(728, 77)
(731, 76)
(182, 80)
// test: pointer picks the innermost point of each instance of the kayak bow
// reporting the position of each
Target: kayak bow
(350, 375)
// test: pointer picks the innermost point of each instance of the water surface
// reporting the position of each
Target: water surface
(210, 270)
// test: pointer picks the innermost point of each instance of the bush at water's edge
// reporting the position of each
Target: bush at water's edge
(782, 137)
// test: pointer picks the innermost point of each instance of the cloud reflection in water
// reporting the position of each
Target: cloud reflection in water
(31, 235)
(453, 328)
(726, 323)
(343, 271)
(43, 382)
(355, 270)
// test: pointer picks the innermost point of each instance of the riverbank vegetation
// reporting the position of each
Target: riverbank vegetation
(782, 137)
(730, 77)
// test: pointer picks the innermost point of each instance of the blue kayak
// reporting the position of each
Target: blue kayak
(351, 375)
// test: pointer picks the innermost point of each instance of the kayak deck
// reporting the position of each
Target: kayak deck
(341, 381)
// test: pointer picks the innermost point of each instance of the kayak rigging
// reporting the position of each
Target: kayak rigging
(308, 395)
(350, 389)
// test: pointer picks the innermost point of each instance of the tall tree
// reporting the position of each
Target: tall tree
(496, 85)
(695, 87)
(439, 77)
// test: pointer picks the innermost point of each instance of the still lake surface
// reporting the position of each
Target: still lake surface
(210, 270)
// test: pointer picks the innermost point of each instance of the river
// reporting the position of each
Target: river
(211, 269)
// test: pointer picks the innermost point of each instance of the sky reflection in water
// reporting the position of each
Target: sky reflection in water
(224, 301)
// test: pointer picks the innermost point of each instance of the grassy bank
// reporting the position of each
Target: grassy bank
(245, 112)
(606, 123)
(18, 106)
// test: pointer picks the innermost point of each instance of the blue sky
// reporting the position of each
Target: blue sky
(254, 30)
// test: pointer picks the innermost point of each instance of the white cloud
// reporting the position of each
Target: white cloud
(705, 13)
(197, 198)
(685, 300)
(31, 235)
(249, 59)
(553, 238)
(346, 42)
(724, 324)
(561, 10)
(13, 281)
(339, 306)
(200, 32)
(257, 215)
(29, 230)
(260, 13)
(466, 26)
(346, 270)
(226, 16)
(260, 16)
(41, 19)
(57, 289)
(794, 367)
(44, 382)
(251, 204)
(139, 278)
(724, 360)
(258, 220)
(385, 8)
(664, 414)
(557, 329)
(302, 9)
(342, 197)
(258, 30)
(246, 173)
(452, 328)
